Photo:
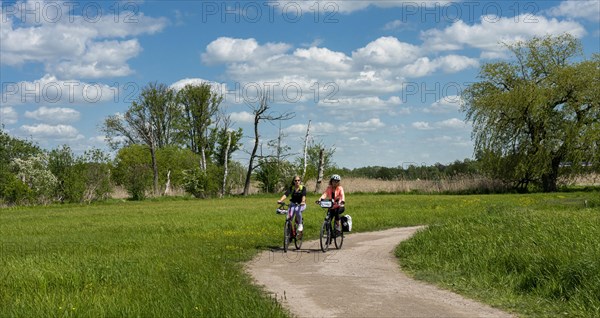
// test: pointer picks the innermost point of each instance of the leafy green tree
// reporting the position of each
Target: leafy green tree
(70, 174)
(175, 160)
(133, 170)
(150, 120)
(537, 112)
(97, 167)
(199, 104)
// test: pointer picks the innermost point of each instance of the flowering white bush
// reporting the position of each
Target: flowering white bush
(34, 172)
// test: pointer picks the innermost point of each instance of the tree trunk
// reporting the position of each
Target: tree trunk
(225, 171)
(252, 155)
(549, 180)
(168, 185)
(320, 176)
(305, 151)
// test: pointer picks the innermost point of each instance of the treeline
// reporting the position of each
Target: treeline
(438, 171)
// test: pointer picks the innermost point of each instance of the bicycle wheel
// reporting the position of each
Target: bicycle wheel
(325, 236)
(338, 239)
(287, 233)
(298, 240)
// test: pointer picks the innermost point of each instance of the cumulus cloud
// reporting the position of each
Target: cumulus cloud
(217, 88)
(452, 123)
(242, 117)
(363, 103)
(577, 9)
(70, 45)
(54, 115)
(8, 115)
(50, 90)
(231, 50)
(447, 104)
(388, 51)
(344, 6)
(493, 30)
(45, 132)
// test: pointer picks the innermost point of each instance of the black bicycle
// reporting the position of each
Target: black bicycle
(328, 231)
(290, 232)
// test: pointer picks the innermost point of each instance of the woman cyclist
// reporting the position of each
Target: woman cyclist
(335, 192)
(297, 202)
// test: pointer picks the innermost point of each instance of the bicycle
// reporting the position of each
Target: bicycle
(289, 229)
(328, 232)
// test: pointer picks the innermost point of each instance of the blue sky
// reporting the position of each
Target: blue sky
(379, 80)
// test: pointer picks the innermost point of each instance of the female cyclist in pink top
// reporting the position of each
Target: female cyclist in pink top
(335, 192)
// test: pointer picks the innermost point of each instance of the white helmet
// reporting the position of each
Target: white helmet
(335, 177)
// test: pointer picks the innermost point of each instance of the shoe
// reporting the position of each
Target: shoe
(300, 227)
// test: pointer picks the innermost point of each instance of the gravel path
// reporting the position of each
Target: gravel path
(363, 279)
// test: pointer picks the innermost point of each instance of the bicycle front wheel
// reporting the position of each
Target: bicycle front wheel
(287, 233)
(298, 240)
(325, 236)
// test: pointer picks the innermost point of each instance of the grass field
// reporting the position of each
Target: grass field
(184, 258)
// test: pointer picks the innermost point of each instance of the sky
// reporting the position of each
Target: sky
(379, 81)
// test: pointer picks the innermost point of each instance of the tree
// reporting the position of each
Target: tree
(12, 189)
(261, 113)
(200, 104)
(537, 112)
(150, 121)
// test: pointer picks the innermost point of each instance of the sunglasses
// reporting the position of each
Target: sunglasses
(296, 180)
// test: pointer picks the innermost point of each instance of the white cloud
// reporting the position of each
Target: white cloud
(345, 6)
(577, 9)
(242, 117)
(421, 125)
(54, 115)
(46, 132)
(449, 64)
(393, 25)
(387, 51)
(493, 30)
(452, 123)
(218, 88)
(447, 104)
(101, 59)
(50, 90)
(369, 103)
(8, 115)
(70, 45)
(230, 50)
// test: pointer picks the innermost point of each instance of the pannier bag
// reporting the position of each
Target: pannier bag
(346, 223)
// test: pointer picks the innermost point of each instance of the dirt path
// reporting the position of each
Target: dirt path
(362, 279)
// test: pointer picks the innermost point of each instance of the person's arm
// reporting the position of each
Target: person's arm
(342, 196)
(285, 194)
(282, 199)
(323, 196)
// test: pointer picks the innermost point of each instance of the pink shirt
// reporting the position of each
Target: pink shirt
(339, 194)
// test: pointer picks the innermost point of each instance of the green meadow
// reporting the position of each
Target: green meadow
(534, 255)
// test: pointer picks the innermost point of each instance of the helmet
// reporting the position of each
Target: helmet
(335, 177)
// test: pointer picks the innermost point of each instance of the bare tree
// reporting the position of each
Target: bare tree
(261, 113)
(320, 169)
(305, 151)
